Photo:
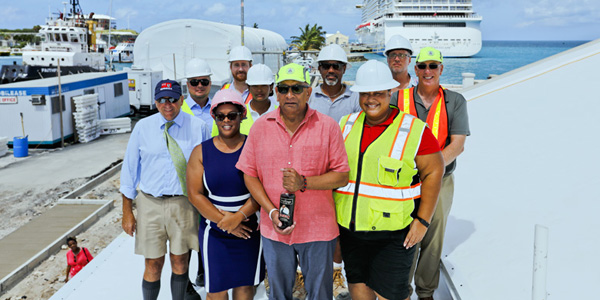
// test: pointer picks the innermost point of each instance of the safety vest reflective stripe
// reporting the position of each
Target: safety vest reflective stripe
(407, 102)
(382, 192)
(351, 119)
(437, 119)
(248, 98)
(435, 129)
(397, 150)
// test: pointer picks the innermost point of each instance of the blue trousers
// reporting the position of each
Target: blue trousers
(316, 262)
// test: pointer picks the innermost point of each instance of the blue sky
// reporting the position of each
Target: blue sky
(502, 19)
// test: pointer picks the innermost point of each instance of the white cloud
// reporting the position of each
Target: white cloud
(216, 9)
(562, 13)
(524, 24)
(123, 13)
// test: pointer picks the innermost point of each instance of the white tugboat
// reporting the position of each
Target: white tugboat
(69, 39)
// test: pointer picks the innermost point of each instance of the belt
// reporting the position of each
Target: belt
(170, 196)
(163, 196)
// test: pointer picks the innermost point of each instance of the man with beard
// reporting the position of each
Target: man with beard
(240, 60)
(332, 97)
(398, 51)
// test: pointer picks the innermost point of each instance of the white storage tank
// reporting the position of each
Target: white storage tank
(169, 45)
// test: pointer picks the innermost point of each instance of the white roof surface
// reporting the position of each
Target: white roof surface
(103, 17)
(532, 159)
(116, 273)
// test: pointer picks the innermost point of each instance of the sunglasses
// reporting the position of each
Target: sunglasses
(203, 82)
(232, 116)
(163, 100)
(432, 66)
(398, 55)
(296, 89)
(326, 66)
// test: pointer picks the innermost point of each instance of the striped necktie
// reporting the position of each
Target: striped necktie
(177, 157)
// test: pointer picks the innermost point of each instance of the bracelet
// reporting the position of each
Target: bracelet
(272, 210)
(243, 214)
(303, 189)
(425, 223)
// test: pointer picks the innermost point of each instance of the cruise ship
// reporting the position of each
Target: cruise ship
(448, 25)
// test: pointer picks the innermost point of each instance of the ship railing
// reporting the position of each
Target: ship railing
(438, 17)
(403, 8)
(423, 2)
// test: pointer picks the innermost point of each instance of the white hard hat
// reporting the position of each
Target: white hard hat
(259, 74)
(333, 52)
(374, 76)
(240, 53)
(397, 42)
(197, 67)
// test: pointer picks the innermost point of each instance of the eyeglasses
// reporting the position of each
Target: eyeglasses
(296, 89)
(326, 66)
(203, 82)
(165, 99)
(232, 116)
(432, 66)
(398, 55)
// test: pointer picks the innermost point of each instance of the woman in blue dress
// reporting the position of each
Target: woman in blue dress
(230, 243)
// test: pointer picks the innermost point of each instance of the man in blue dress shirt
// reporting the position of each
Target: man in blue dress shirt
(163, 210)
(198, 103)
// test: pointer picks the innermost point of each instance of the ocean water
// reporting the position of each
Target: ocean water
(495, 57)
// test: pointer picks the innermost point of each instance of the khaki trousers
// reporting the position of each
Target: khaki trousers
(426, 263)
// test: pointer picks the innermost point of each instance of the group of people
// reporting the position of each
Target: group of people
(368, 168)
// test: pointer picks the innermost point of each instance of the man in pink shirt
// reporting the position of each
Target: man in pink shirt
(297, 150)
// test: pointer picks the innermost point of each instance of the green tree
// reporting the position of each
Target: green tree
(311, 38)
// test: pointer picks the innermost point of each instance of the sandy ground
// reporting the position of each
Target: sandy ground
(21, 206)
(49, 276)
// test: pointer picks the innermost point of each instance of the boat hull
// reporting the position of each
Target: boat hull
(16, 73)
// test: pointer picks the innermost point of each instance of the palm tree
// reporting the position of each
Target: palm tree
(312, 38)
